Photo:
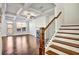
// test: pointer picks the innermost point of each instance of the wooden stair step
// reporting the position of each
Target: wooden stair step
(69, 29)
(72, 38)
(56, 51)
(67, 40)
(67, 43)
(49, 52)
(69, 33)
(69, 25)
(64, 50)
(66, 47)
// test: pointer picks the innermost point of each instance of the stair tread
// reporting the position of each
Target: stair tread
(70, 33)
(66, 40)
(67, 43)
(56, 51)
(67, 37)
(49, 52)
(69, 25)
(69, 29)
(64, 50)
(66, 47)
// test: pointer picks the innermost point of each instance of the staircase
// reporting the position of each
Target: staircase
(65, 42)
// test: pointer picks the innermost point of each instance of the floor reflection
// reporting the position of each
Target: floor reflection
(9, 46)
(20, 45)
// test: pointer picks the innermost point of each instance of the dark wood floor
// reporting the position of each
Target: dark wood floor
(20, 45)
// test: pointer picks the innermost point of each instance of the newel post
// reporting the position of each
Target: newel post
(41, 47)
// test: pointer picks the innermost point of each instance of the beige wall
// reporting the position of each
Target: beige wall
(71, 13)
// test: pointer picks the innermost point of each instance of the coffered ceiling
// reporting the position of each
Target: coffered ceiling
(29, 10)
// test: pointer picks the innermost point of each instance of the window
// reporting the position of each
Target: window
(10, 27)
(18, 24)
(21, 26)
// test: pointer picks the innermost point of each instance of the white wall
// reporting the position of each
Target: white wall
(71, 13)
(35, 24)
(40, 21)
(32, 28)
(3, 26)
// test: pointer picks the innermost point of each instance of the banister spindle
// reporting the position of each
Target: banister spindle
(42, 47)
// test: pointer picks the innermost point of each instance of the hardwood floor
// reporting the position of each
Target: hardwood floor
(20, 45)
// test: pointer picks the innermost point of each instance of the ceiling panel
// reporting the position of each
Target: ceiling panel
(42, 6)
(13, 7)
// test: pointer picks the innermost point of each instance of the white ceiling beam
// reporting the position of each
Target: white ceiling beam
(19, 11)
(14, 14)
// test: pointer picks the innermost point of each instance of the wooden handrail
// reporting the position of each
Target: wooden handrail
(52, 20)
(42, 30)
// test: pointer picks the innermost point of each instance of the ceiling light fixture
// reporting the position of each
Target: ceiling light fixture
(29, 14)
